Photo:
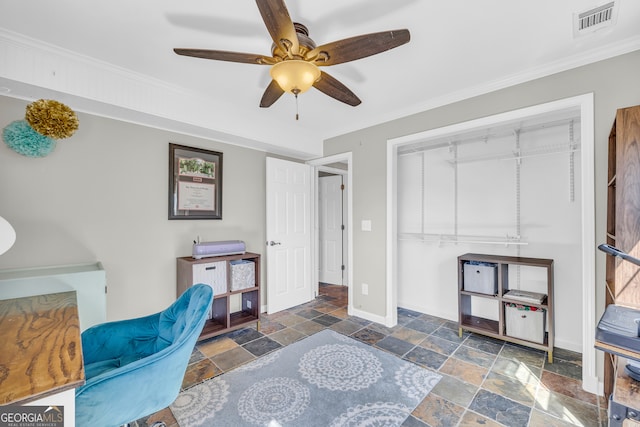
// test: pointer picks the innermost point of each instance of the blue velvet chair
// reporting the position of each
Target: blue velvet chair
(135, 367)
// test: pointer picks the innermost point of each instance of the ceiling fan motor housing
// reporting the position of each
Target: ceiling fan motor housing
(305, 43)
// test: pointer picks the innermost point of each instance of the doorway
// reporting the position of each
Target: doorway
(331, 226)
(340, 165)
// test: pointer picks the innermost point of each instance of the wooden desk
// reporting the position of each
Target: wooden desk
(40, 347)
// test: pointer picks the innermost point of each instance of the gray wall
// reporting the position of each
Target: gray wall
(102, 196)
(615, 84)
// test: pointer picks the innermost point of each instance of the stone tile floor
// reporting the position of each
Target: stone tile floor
(485, 382)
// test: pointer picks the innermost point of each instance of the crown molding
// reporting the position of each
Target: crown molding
(35, 68)
(148, 101)
(612, 50)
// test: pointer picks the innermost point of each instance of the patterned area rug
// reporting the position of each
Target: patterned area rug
(324, 380)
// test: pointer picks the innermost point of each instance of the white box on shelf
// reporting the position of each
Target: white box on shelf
(213, 274)
(525, 322)
(243, 274)
(481, 278)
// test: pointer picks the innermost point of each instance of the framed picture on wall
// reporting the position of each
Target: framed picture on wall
(195, 183)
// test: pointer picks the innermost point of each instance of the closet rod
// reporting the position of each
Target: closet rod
(480, 242)
(514, 156)
(479, 136)
(450, 238)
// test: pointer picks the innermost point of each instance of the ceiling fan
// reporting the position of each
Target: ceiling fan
(295, 58)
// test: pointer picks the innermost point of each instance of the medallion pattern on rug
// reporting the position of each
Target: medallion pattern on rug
(340, 367)
(326, 379)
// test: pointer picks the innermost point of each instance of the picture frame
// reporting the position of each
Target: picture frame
(195, 183)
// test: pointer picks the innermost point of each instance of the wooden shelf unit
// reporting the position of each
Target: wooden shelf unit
(622, 278)
(189, 272)
(497, 328)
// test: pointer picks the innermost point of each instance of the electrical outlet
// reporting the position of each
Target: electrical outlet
(248, 304)
(365, 289)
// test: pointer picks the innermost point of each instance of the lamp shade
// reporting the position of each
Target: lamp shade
(295, 76)
(7, 235)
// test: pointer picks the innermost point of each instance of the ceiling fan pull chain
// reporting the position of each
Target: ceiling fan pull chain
(296, 95)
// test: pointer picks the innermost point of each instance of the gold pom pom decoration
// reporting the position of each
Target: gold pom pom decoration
(51, 118)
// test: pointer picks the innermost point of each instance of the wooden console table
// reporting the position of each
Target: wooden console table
(40, 348)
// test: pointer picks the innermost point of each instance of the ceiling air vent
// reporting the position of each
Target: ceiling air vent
(592, 20)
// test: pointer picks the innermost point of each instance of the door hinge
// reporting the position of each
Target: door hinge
(342, 267)
(342, 187)
(342, 227)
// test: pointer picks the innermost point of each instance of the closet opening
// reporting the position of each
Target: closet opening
(517, 184)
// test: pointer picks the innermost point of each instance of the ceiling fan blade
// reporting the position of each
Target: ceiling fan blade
(271, 95)
(222, 55)
(332, 87)
(276, 17)
(357, 47)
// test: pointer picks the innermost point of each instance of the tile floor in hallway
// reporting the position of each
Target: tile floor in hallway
(484, 381)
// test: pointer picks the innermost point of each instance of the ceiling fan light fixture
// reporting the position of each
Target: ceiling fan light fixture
(295, 75)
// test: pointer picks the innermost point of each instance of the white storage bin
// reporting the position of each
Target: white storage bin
(243, 274)
(481, 278)
(525, 322)
(213, 274)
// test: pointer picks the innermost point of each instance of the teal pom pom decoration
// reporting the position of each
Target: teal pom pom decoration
(23, 139)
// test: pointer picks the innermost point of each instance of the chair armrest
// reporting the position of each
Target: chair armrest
(125, 337)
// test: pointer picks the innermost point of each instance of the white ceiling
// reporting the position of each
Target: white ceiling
(115, 59)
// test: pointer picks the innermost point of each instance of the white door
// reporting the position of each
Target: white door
(288, 234)
(330, 229)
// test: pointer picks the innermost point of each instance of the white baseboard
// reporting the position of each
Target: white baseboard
(592, 385)
(369, 316)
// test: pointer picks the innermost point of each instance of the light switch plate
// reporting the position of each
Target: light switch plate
(366, 225)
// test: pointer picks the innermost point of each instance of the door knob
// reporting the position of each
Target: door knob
(272, 243)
